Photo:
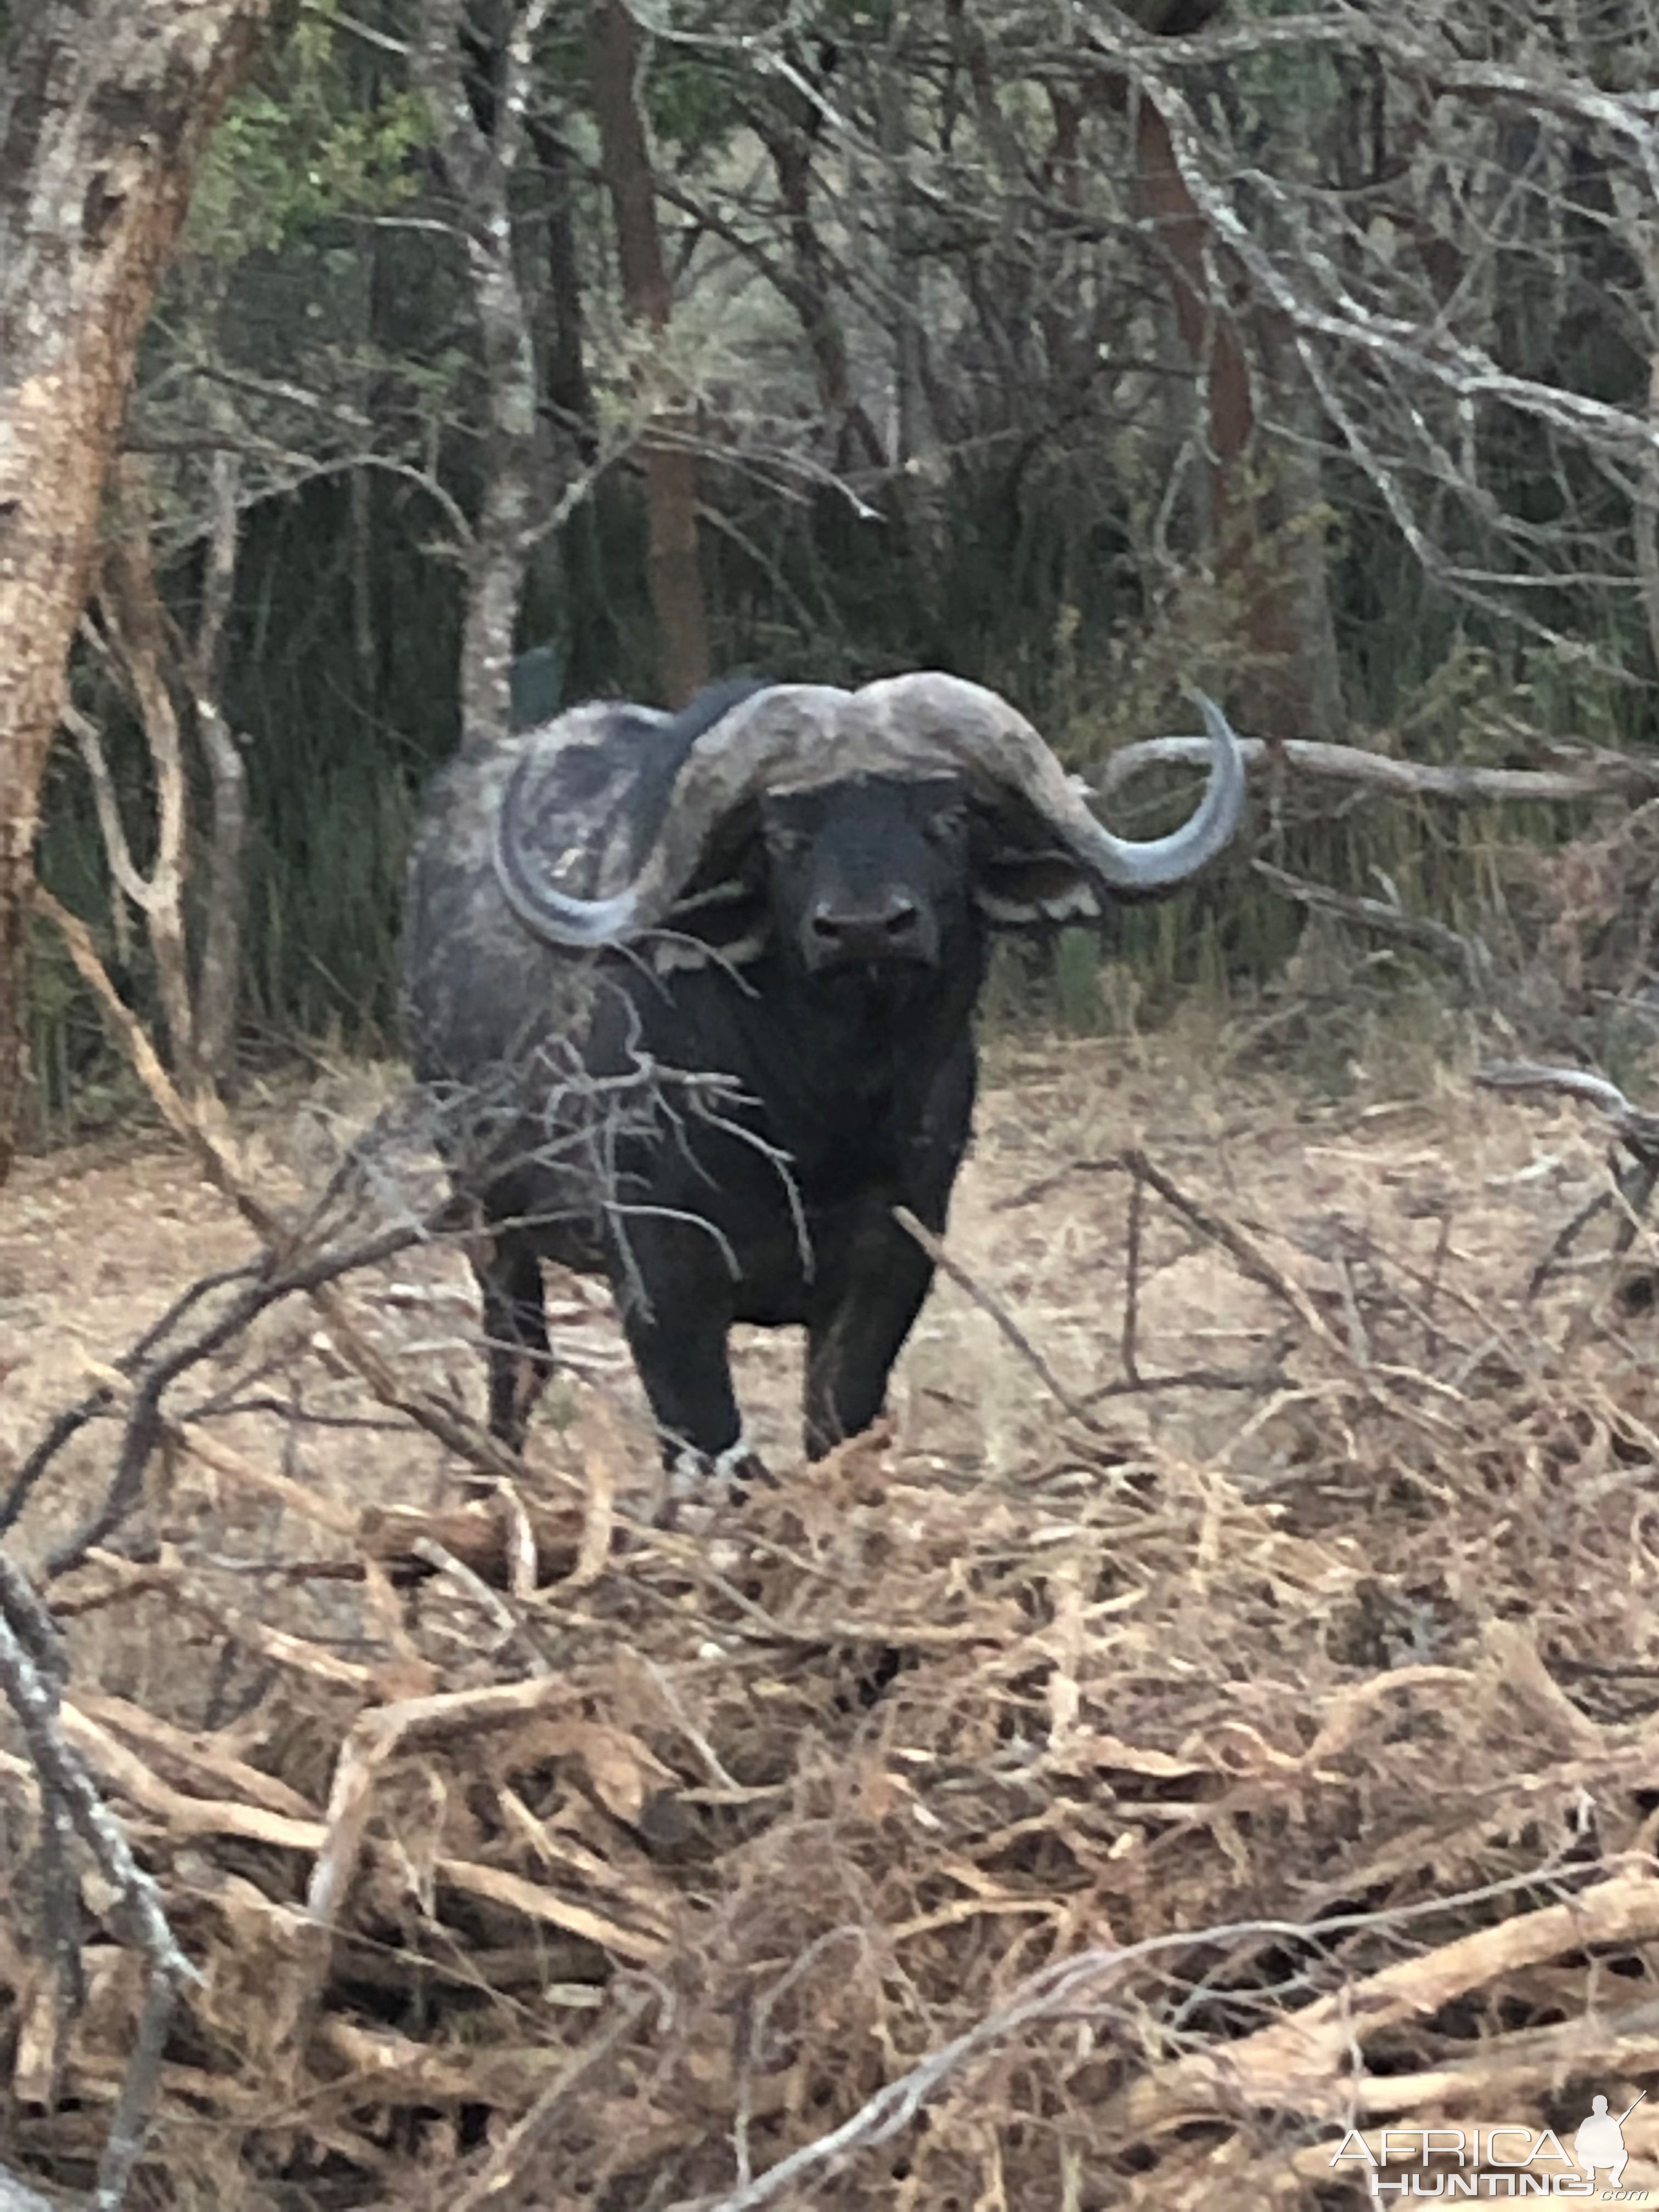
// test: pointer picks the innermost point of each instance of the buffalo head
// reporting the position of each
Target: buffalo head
(847, 827)
(871, 874)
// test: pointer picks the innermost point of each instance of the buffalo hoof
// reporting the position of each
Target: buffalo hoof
(711, 1488)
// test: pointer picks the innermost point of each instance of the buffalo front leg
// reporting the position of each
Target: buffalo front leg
(516, 1348)
(675, 1301)
(678, 1342)
(851, 1347)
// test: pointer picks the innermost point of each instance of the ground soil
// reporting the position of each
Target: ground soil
(97, 1240)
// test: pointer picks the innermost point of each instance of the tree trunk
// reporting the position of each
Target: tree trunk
(105, 109)
(564, 373)
(917, 477)
(224, 902)
(788, 126)
(479, 157)
(1291, 676)
(670, 470)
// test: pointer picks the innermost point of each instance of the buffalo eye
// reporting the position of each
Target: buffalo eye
(946, 826)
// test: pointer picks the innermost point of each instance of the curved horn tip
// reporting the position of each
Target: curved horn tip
(1215, 721)
(1165, 862)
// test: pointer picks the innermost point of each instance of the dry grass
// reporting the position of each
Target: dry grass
(532, 1857)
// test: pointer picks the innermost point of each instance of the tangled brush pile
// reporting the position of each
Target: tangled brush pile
(1109, 1798)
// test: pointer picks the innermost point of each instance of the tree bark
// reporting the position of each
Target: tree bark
(670, 470)
(131, 606)
(106, 107)
(564, 372)
(479, 155)
(224, 904)
(1285, 617)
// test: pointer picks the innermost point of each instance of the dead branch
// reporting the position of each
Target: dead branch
(373, 1740)
(1602, 774)
(1469, 953)
(1636, 1129)
(481, 1535)
(337, 1840)
(135, 1913)
(125, 1023)
(1302, 2058)
(1268, 1376)
(190, 1754)
(201, 1125)
(311, 1661)
(1132, 1279)
(999, 1313)
(1232, 1240)
(1305, 2063)
(146, 1425)
(74, 1419)
(524, 2145)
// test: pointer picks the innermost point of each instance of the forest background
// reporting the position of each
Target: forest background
(1077, 349)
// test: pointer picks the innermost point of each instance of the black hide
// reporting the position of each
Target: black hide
(847, 1041)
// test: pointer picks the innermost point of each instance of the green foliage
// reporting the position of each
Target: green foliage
(329, 894)
(303, 145)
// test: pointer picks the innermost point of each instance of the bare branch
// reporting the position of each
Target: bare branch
(1640, 1129)
(1393, 920)
(136, 1913)
(1309, 2050)
(1606, 773)
(999, 1313)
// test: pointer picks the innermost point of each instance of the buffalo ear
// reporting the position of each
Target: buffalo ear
(1021, 879)
(1030, 890)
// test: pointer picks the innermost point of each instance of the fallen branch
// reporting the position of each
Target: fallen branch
(1470, 954)
(298, 1654)
(135, 1912)
(1249, 1256)
(1636, 1129)
(481, 1533)
(999, 1313)
(1285, 2064)
(1605, 773)
(1307, 2064)
(524, 2147)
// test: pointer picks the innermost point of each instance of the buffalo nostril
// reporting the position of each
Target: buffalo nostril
(874, 929)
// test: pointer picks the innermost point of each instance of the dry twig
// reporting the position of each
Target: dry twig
(1636, 1129)
(999, 1313)
(137, 1912)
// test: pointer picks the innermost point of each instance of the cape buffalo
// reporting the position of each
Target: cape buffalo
(699, 990)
